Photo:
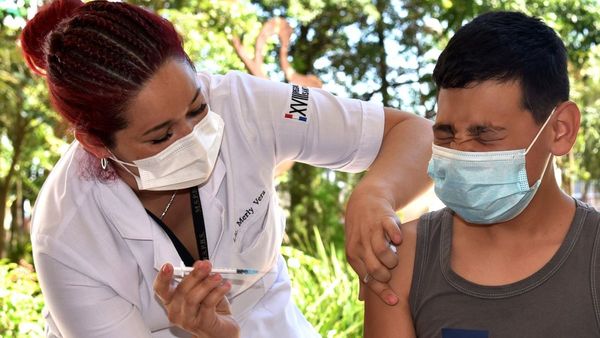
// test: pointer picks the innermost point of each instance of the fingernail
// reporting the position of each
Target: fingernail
(392, 300)
(166, 268)
(216, 277)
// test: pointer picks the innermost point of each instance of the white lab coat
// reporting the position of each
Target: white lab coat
(97, 252)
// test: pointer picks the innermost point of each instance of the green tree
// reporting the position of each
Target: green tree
(385, 51)
(28, 130)
(208, 27)
(585, 162)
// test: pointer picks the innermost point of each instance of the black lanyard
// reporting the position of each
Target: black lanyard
(199, 227)
(199, 230)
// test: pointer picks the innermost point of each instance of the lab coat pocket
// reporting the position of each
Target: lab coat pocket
(253, 233)
(253, 223)
(259, 236)
(257, 247)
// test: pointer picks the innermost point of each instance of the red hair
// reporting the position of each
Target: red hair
(96, 57)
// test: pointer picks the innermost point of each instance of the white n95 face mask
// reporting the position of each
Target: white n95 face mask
(187, 162)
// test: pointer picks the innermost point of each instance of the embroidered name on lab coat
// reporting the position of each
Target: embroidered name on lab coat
(250, 210)
(299, 104)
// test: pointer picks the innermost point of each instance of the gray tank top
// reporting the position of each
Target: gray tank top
(559, 300)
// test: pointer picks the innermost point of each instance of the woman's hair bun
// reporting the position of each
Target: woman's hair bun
(36, 31)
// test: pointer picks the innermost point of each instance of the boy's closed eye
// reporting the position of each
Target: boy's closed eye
(487, 134)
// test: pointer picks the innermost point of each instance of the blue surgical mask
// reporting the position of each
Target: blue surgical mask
(484, 187)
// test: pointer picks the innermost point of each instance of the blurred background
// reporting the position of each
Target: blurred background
(376, 50)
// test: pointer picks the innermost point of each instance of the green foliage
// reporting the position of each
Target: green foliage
(207, 28)
(325, 289)
(315, 197)
(21, 302)
(31, 135)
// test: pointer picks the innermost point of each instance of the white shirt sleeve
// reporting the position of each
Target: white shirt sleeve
(303, 124)
(82, 307)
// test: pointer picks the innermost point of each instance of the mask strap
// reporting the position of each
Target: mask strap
(546, 167)
(540, 131)
(122, 163)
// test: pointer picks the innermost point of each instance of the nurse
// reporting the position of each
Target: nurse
(171, 166)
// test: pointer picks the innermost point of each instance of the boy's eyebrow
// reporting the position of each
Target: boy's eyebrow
(442, 127)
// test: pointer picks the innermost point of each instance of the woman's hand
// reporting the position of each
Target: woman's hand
(372, 230)
(198, 303)
(397, 176)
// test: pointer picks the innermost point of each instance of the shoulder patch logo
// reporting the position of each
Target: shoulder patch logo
(299, 104)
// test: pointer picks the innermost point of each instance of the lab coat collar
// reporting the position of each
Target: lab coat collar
(164, 250)
(128, 216)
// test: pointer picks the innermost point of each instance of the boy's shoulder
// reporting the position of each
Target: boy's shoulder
(588, 211)
(411, 234)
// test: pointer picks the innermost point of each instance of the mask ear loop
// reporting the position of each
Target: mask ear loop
(122, 164)
(536, 137)
(541, 129)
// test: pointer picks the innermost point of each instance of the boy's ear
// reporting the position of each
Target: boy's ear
(92, 144)
(565, 126)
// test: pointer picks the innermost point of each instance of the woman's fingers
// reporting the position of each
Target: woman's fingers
(182, 291)
(198, 303)
(214, 310)
(216, 296)
(162, 283)
(199, 296)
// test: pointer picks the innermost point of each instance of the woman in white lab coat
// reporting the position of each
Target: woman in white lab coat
(176, 167)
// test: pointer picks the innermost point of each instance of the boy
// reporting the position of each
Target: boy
(512, 255)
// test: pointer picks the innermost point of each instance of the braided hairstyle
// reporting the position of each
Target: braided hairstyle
(96, 57)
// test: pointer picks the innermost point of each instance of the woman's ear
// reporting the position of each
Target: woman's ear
(92, 144)
(565, 127)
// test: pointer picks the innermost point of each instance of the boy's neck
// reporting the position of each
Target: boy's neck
(550, 207)
(503, 253)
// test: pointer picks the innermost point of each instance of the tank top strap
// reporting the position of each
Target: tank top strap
(428, 248)
(594, 224)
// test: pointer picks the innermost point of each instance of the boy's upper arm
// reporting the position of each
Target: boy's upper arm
(383, 320)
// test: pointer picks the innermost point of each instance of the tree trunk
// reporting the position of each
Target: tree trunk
(15, 240)
(382, 66)
(5, 184)
(3, 198)
(281, 28)
(586, 189)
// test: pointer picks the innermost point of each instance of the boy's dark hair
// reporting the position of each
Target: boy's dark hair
(507, 46)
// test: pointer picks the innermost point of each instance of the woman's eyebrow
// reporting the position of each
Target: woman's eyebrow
(168, 122)
(157, 127)
(195, 95)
